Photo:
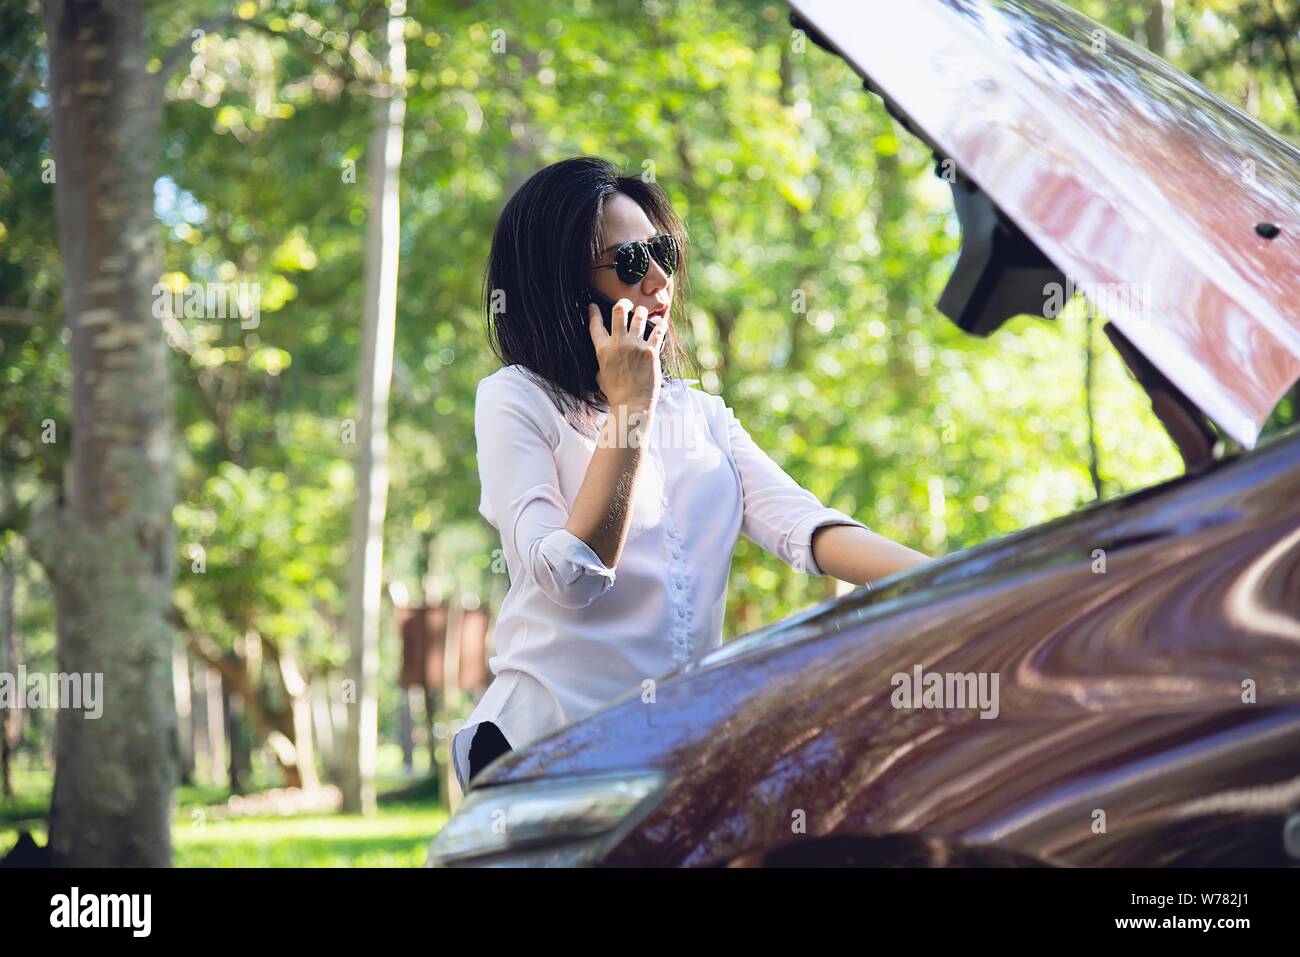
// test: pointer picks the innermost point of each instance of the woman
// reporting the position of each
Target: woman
(619, 491)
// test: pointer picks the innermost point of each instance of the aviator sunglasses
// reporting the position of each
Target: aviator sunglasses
(632, 259)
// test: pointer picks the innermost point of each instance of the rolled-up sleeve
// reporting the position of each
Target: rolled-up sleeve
(566, 568)
(779, 514)
(520, 496)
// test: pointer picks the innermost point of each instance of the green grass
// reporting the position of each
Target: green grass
(397, 835)
(28, 807)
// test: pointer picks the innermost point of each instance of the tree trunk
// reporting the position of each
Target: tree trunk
(1159, 20)
(181, 682)
(108, 546)
(286, 731)
(10, 718)
(367, 560)
(406, 731)
(298, 692)
(1090, 404)
(323, 725)
(441, 775)
(216, 725)
(232, 704)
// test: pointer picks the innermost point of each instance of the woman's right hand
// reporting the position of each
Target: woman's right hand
(630, 370)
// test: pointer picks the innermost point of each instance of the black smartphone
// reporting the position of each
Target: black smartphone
(606, 305)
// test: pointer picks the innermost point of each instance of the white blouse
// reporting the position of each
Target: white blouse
(573, 634)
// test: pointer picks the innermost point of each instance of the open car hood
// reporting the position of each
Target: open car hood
(1173, 211)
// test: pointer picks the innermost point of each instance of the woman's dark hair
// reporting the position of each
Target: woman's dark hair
(543, 248)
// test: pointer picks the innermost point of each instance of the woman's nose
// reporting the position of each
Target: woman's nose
(655, 278)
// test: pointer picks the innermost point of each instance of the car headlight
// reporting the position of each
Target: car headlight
(546, 822)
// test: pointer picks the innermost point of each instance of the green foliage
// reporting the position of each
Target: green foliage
(257, 543)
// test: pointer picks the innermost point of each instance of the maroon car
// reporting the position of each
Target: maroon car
(1120, 686)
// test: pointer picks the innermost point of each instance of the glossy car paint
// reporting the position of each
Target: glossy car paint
(1122, 170)
(1121, 691)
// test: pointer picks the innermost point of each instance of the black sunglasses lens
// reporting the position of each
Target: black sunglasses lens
(633, 259)
(632, 262)
(664, 250)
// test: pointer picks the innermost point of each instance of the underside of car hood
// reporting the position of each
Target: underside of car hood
(1079, 159)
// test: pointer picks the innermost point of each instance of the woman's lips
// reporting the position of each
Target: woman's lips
(652, 319)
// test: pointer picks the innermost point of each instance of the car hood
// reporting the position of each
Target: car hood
(1154, 196)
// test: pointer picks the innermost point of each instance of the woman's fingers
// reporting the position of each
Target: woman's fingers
(596, 325)
(628, 358)
(619, 321)
(636, 329)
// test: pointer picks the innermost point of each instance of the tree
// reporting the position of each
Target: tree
(10, 717)
(108, 545)
(367, 559)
